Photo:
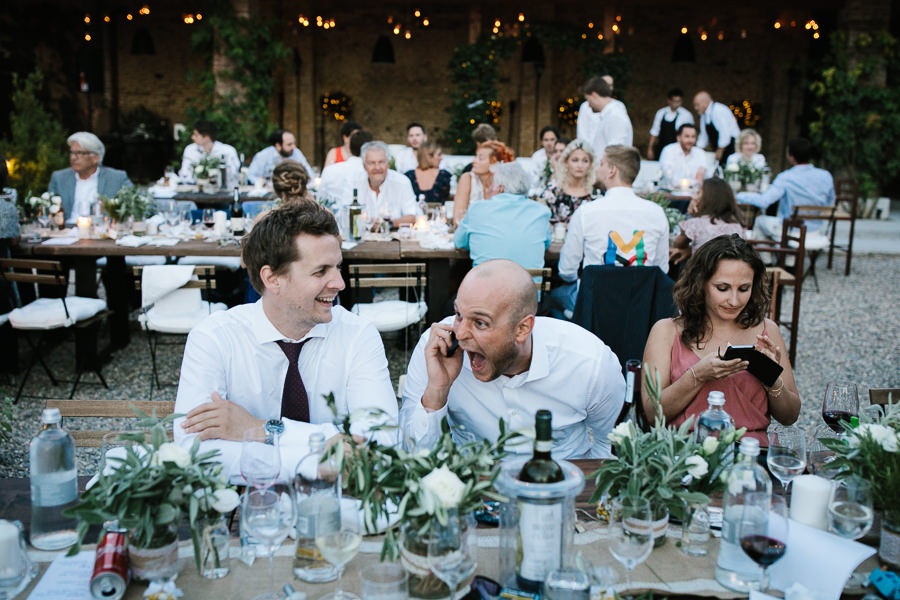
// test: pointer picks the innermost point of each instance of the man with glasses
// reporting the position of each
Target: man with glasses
(87, 179)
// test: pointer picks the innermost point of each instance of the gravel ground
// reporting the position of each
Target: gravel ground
(850, 330)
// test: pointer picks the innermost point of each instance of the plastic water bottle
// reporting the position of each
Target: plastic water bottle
(317, 486)
(54, 484)
(714, 421)
(734, 569)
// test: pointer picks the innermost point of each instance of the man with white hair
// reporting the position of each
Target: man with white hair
(384, 193)
(508, 225)
(86, 179)
(718, 128)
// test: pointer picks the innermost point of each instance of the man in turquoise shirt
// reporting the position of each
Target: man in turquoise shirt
(506, 224)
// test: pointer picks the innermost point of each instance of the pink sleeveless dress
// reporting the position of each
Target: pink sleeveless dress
(745, 397)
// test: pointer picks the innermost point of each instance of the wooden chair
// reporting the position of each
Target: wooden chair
(543, 286)
(884, 396)
(816, 242)
(108, 409)
(747, 214)
(45, 314)
(846, 203)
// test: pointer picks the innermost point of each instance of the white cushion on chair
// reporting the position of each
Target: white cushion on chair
(137, 260)
(814, 241)
(181, 321)
(49, 313)
(391, 315)
(228, 262)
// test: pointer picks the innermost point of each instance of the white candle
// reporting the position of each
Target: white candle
(84, 227)
(220, 222)
(10, 553)
(809, 500)
(685, 184)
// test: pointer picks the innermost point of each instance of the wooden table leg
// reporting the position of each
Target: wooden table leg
(118, 284)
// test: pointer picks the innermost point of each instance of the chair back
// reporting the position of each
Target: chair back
(400, 275)
(186, 297)
(884, 396)
(252, 208)
(846, 194)
(542, 284)
(48, 273)
(815, 213)
(107, 409)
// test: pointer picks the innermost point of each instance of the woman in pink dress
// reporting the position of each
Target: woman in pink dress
(723, 299)
(714, 211)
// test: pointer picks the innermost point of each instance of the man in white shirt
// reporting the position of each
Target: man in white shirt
(510, 364)
(406, 159)
(683, 160)
(283, 145)
(270, 363)
(666, 123)
(384, 193)
(718, 128)
(540, 171)
(602, 120)
(205, 144)
(618, 229)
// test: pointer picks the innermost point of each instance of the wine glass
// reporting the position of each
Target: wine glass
(850, 511)
(268, 515)
(631, 532)
(841, 402)
(452, 550)
(260, 458)
(819, 456)
(787, 454)
(764, 530)
(339, 547)
(209, 217)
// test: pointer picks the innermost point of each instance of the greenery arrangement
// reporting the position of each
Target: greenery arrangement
(745, 173)
(673, 215)
(128, 202)
(36, 146)
(152, 485)
(871, 450)
(43, 205)
(208, 167)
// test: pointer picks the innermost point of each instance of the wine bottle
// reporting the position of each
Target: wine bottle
(540, 532)
(355, 212)
(629, 406)
(237, 214)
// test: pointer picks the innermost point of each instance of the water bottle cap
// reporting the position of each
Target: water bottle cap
(51, 415)
(316, 441)
(750, 446)
(716, 398)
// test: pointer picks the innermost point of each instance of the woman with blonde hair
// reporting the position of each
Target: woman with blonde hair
(573, 182)
(472, 185)
(749, 144)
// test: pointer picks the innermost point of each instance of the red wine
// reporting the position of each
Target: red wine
(833, 418)
(762, 549)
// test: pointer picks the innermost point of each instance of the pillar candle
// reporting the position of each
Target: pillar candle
(809, 500)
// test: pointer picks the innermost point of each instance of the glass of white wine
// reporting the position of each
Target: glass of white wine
(786, 457)
(268, 515)
(339, 547)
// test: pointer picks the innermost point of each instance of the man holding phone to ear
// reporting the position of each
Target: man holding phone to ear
(509, 364)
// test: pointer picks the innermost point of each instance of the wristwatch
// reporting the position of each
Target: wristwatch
(273, 427)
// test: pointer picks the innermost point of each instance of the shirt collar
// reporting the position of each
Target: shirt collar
(620, 192)
(266, 332)
(92, 177)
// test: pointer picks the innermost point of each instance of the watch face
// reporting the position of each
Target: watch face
(275, 426)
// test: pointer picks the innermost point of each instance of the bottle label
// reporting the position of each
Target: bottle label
(237, 223)
(540, 535)
(543, 445)
(54, 489)
(317, 515)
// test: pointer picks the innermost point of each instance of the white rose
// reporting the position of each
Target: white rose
(732, 168)
(698, 466)
(54, 209)
(213, 172)
(621, 432)
(198, 169)
(884, 436)
(173, 453)
(709, 445)
(45, 195)
(445, 486)
(57, 200)
(225, 500)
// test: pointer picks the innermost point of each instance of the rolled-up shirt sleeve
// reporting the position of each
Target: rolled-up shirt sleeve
(418, 426)
(573, 248)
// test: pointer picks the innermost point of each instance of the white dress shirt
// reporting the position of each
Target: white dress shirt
(680, 116)
(234, 353)
(723, 120)
(338, 178)
(572, 374)
(620, 224)
(265, 161)
(394, 199)
(676, 165)
(405, 160)
(193, 153)
(85, 196)
(608, 127)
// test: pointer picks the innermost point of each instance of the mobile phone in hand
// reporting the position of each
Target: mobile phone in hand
(454, 344)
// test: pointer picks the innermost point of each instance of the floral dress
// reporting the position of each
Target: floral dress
(561, 204)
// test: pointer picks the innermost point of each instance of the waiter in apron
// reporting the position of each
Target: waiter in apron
(666, 123)
(718, 127)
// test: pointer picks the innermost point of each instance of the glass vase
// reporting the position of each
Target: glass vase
(889, 546)
(154, 564)
(695, 530)
(212, 547)
(424, 584)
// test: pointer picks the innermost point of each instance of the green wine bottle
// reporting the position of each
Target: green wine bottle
(542, 468)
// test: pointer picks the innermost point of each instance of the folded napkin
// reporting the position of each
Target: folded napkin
(132, 241)
(162, 241)
(436, 242)
(155, 219)
(163, 191)
(159, 280)
(60, 241)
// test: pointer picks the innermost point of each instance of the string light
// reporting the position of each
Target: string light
(721, 36)
(703, 36)
(390, 20)
(188, 19)
(87, 20)
(303, 20)
(417, 13)
(591, 25)
(584, 36)
(145, 10)
(426, 22)
(87, 37)
(495, 30)
(521, 17)
(684, 30)
(407, 35)
(497, 23)
(618, 18)
(396, 30)
(777, 25)
(106, 19)
(615, 28)
(816, 35)
(599, 36)
(129, 16)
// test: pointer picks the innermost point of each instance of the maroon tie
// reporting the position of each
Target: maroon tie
(294, 401)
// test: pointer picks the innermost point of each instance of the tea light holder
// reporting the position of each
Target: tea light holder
(84, 227)
(685, 185)
(421, 223)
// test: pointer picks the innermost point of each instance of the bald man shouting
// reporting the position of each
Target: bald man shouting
(718, 127)
(510, 364)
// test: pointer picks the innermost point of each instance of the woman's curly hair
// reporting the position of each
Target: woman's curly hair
(690, 289)
(289, 180)
(500, 152)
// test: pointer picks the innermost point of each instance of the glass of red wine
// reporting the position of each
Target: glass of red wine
(209, 217)
(764, 531)
(841, 402)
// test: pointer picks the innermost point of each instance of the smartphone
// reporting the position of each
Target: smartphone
(760, 366)
(742, 352)
(454, 344)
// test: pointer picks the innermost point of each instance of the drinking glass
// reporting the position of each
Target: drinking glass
(268, 515)
(339, 548)
(209, 215)
(631, 532)
(850, 511)
(16, 569)
(818, 456)
(764, 530)
(384, 581)
(452, 550)
(260, 458)
(841, 402)
(787, 454)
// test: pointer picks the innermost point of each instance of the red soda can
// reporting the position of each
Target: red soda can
(110, 577)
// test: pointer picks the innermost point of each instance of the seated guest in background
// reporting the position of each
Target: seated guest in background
(342, 152)
(510, 364)
(87, 179)
(407, 159)
(718, 127)
(428, 179)
(507, 224)
(749, 144)
(714, 211)
(801, 184)
(540, 160)
(723, 299)
(558, 148)
(683, 159)
(385, 194)
(482, 133)
(245, 366)
(573, 182)
(337, 178)
(283, 145)
(206, 144)
(618, 229)
(471, 186)
(9, 214)
(666, 123)
(289, 180)
(602, 120)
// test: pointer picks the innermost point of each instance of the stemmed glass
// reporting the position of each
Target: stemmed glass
(631, 532)
(819, 456)
(260, 458)
(209, 217)
(787, 454)
(452, 550)
(339, 547)
(841, 402)
(268, 515)
(850, 510)
(764, 530)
